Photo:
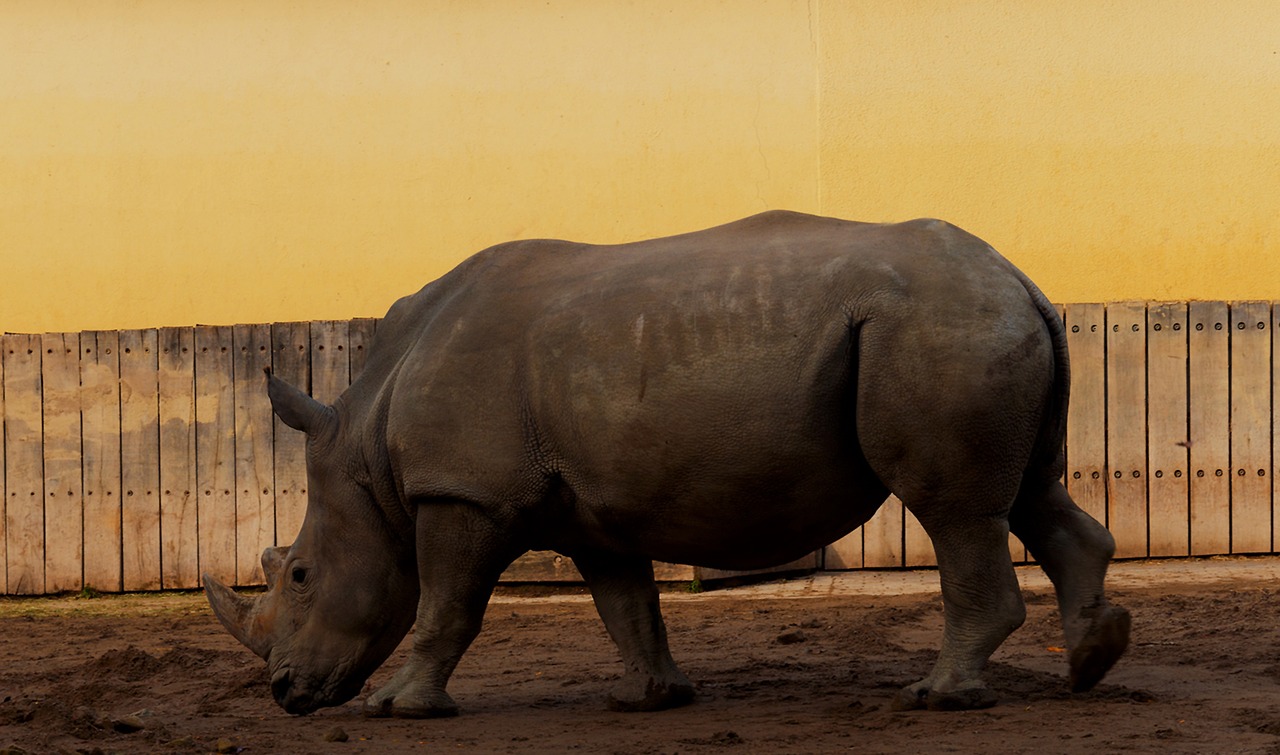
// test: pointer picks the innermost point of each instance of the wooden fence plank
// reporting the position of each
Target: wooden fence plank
(1127, 427)
(179, 554)
(290, 361)
(549, 566)
(63, 485)
(1250, 427)
(360, 336)
(917, 548)
(1087, 410)
(100, 421)
(330, 365)
(845, 553)
(4, 495)
(24, 465)
(542, 567)
(1209, 385)
(140, 459)
(1167, 432)
(1274, 467)
(216, 452)
(805, 564)
(255, 473)
(882, 536)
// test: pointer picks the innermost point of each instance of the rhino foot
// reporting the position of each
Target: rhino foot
(920, 696)
(635, 696)
(1102, 645)
(404, 704)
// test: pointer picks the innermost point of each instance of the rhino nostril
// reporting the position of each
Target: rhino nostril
(280, 684)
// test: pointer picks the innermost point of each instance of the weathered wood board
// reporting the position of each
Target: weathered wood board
(1087, 409)
(4, 496)
(330, 365)
(1251, 427)
(100, 423)
(845, 553)
(803, 565)
(179, 553)
(1167, 430)
(140, 459)
(883, 536)
(917, 548)
(551, 567)
(1209, 410)
(254, 469)
(291, 362)
(63, 485)
(24, 465)
(1127, 427)
(1275, 423)
(216, 452)
(360, 338)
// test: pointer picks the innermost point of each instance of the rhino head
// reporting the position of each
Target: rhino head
(341, 598)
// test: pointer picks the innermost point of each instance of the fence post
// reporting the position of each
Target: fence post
(1167, 437)
(179, 551)
(1250, 427)
(24, 465)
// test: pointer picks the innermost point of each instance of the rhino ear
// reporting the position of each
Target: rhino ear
(295, 408)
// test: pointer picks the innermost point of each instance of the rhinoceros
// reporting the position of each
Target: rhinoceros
(732, 398)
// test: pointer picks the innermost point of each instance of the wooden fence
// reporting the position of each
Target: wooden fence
(136, 460)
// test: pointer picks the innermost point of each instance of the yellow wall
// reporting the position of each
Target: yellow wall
(1114, 150)
(168, 162)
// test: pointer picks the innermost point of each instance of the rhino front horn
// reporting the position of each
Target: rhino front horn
(240, 615)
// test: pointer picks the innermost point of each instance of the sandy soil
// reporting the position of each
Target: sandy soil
(805, 667)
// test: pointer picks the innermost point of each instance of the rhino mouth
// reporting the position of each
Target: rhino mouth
(298, 697)
(289, 696)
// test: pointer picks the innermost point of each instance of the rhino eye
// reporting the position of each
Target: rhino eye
(299, 574)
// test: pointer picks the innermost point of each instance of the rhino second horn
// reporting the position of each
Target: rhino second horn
(239, 615)
(294, 407)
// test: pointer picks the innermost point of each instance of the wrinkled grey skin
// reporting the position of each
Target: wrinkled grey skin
(732, 398)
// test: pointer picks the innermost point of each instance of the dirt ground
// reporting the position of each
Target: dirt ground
(806, 666)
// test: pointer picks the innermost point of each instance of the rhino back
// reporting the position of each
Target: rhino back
(641, 396)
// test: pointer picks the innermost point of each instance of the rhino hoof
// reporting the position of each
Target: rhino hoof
(399, 707)
(654, 698)
(1100, 648)
(920, 697)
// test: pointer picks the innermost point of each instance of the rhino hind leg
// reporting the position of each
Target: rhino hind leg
(1074, 551)
(982, 606)
(626, 598)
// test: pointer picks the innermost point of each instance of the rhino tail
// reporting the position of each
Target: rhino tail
(1048, 460)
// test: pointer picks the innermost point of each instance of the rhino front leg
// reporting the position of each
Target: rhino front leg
(461, 554)
(627, 599)
(982, 606)
(1074, 550)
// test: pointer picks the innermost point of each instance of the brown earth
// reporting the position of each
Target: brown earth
(807, 666)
